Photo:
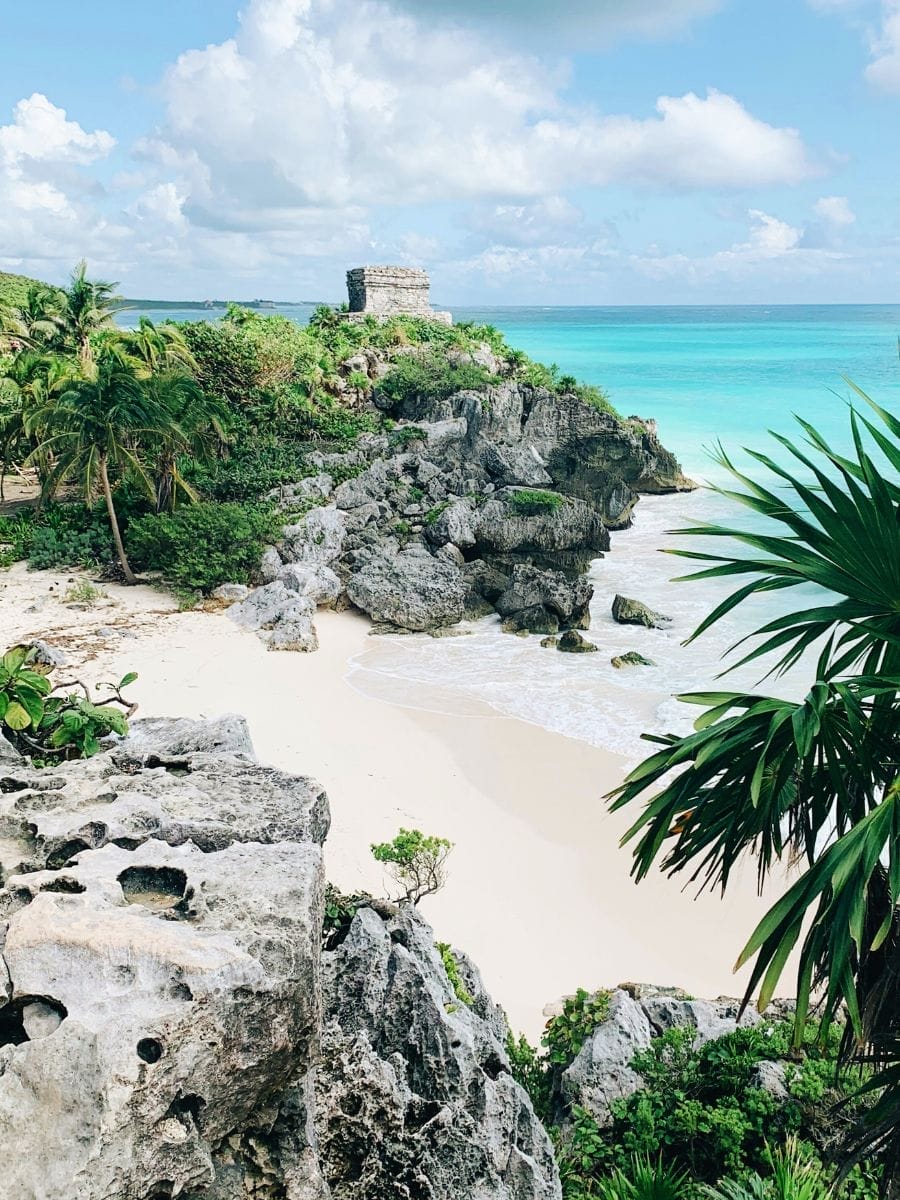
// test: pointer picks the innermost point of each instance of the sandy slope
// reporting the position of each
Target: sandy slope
(539, 892)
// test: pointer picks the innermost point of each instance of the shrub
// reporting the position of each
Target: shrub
(406, 435)
(50, 728)
(256, 465)
(70, 535)
(451, 966)
(565, 1034)
(84, 592)
(427, 379)
(528, 502)
(416, 862)
(227, 364)
(529, 1069)
(202, 545)
(339, 913)
(15, 533)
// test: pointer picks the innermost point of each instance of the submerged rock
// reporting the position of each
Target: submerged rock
(571, 642)
(633, 612)
(631, 658)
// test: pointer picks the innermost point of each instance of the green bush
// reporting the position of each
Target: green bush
(15, 533)
(420, 380)
(48, 727)
(200, 546)
(416, 861)
(71, 535)
(452, 968)
(565, 1034)
(405, 436)
(529, 502)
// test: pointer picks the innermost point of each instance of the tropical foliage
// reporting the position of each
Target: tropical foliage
(51, 722)
(812, 782)
(416, 861)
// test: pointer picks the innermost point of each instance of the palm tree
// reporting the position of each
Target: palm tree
(194, 425)
(38, 323)
(97, 424)
(157, 347)
(32, 380)
(90, 305)
(817, 781)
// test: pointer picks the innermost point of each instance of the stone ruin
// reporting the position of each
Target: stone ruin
(389, 292)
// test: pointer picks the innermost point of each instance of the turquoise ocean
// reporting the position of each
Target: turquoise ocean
(707, 375)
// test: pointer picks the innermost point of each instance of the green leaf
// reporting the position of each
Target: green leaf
(14, 658)
(128, 679)
(16, 717)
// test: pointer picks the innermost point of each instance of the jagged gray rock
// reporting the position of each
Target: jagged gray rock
(544, 601)
(601, 1071)
(281, 615)
(404, 1056)
(411, 589)
(165, 1029)
(164, 984)
(633, 612)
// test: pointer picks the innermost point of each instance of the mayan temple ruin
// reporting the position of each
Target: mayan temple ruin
(391, 291)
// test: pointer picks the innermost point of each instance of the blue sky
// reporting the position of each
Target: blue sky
(582, 152)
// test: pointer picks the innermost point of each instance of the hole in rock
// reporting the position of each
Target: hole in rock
(158, 888)
(161, 1190)
(399, 938)
(127, 843)
(149, 1050)
(13, 785)
(95, 832)
(419, 1113)
(493, 1066)
(180, 991)
(173, 768)
(62, 855)
(351, 1105)
(30, 1018)
(187, 1109)
(64, 884)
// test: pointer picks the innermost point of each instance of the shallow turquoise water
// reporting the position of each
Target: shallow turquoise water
(705, 374)
(726, 373)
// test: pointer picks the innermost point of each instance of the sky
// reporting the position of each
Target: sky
(522, 151)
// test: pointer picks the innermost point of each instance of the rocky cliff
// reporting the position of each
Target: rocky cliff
(171, 1026)
(489, 500)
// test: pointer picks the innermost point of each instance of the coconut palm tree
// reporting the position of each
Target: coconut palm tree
(97, 425)
(37, 324)
(157, 347)
(89, 305)
(194, 426)
(814, 782)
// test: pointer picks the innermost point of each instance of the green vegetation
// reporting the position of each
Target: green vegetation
(815, 781)
(199, 546)
(529, 502)
(566, 1033)
(451, 966)
(50, 728)
(416, 862)
(702, 1114)
(426, 379)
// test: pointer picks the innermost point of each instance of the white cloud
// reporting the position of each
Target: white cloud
(335, 103)
(40, 133)
(835, 211)
(884, 70)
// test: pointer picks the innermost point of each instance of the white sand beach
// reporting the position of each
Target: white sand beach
(539, 892)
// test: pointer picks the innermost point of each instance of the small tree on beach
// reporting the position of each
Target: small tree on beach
(416, 862)
(814, 782)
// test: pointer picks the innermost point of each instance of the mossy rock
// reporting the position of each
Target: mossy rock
(631, 658)
(572, 642)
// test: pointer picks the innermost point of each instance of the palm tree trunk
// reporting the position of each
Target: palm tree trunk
(114, 523)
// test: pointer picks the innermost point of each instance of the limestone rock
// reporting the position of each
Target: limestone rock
(47, 655)
(412, 590)
(544, 601)
(633, 612)
(631, 658)
(314, 580)
(414, 1095)
(601, 1071)
(571, 642)
(232, 592)
(283, 618)
(270, 565)
(710, 1019)
(165, 986)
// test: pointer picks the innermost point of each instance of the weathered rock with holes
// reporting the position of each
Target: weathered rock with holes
(404, 1056)
(163, 958)
(545, 601)
(411, 589)
(282, 616)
